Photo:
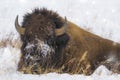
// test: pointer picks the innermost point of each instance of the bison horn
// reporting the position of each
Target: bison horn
(63, 29)
(18, 27)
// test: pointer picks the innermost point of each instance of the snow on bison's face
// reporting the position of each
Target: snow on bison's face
(40, 33)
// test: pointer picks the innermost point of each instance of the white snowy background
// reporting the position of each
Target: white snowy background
(101, 17)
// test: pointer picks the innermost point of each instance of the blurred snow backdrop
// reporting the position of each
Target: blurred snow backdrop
(101, 17)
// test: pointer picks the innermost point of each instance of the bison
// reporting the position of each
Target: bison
(50, 43)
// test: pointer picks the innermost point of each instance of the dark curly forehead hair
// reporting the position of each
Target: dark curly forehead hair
(49, 14)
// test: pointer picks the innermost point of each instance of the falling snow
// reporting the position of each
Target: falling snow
(101, 17)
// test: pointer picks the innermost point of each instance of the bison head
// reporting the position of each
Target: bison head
(43, 34)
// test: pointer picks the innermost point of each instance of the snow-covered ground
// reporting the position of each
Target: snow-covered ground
(101, 17)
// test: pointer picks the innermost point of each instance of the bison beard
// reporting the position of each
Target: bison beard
(51, 44)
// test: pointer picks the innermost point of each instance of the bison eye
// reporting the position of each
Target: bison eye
(50, 40)
(27, 38)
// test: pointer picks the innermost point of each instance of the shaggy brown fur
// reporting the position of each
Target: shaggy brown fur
(76, 51)
(98, 49)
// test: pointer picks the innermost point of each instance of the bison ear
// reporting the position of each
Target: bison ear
(62, 40)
